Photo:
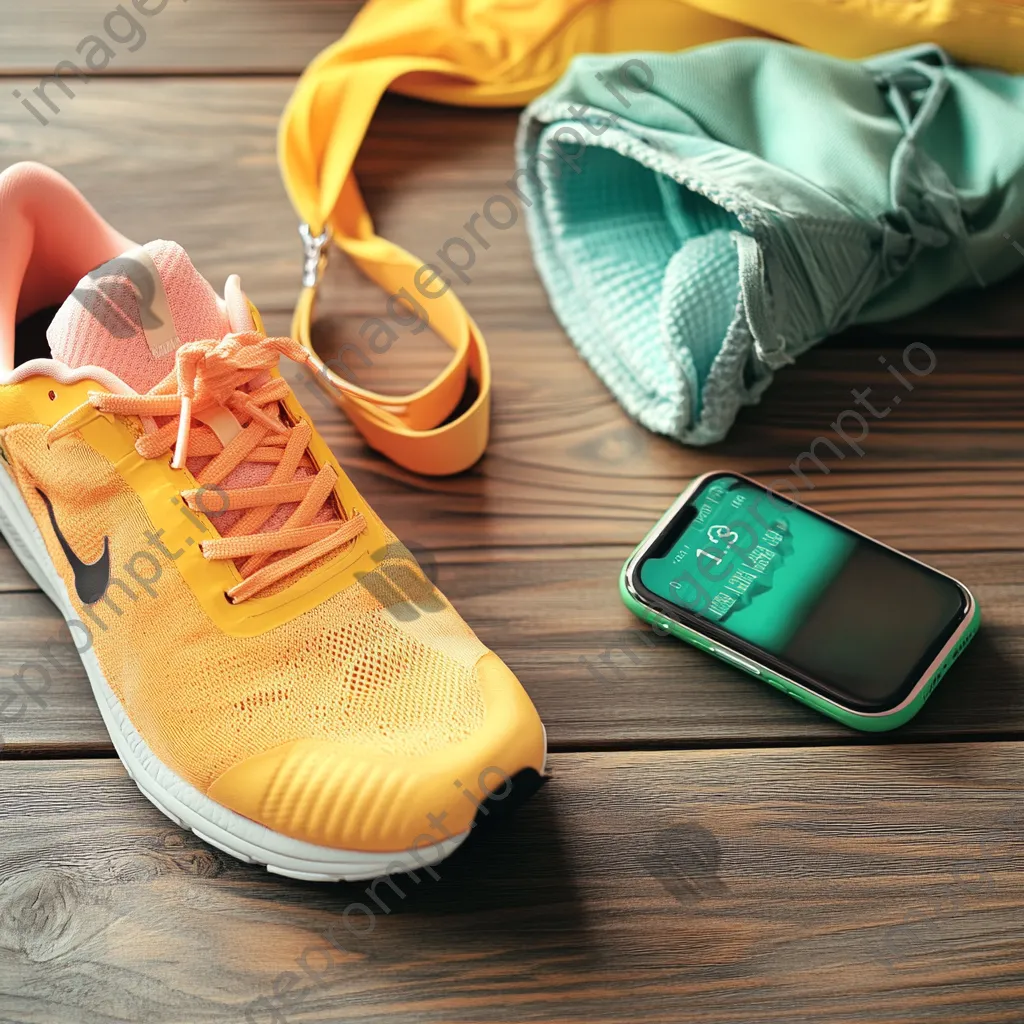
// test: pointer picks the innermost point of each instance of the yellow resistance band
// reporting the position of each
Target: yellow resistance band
(503, 53)
(498, 57)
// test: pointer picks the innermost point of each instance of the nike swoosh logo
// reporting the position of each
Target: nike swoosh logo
(91, 578)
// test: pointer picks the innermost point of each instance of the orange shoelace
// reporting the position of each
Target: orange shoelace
(212, 375)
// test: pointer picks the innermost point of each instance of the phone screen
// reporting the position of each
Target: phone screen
(813, 600)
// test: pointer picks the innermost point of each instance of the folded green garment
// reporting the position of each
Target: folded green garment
(701, 218)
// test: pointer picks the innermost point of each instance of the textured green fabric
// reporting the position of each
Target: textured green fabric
(744, 200)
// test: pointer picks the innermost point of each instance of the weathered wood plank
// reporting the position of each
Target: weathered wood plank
(942, 471)
(180, 36)
(877, 885)
(216, 187)
(874, 880)
(192, 159)
(568, 484)
(13, 578)
(600, 678)
(529, 544)
(425, 171)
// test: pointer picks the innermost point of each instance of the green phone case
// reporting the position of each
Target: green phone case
(879, 722)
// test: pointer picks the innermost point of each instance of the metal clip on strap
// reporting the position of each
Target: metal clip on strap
(417, 431)
(315, 250)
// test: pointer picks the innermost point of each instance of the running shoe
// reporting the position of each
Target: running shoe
(275, 671)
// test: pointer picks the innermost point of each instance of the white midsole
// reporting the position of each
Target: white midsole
(179, 800)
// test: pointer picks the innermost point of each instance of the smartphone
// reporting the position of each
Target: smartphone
(840, 622)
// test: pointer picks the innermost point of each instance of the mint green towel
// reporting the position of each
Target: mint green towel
(739, 202)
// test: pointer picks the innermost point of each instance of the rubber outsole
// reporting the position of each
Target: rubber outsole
(178, 800)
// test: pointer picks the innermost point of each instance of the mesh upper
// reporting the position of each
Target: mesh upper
(365, 667)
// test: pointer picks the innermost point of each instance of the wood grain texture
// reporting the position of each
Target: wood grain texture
(566, 465)
(715, 887)
(600, 678)
(179, 36)
(832, 879)
(425, 171)
(528, 543)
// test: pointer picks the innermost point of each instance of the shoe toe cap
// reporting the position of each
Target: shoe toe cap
(347, 796)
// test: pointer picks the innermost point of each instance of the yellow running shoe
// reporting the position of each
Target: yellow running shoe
(274, 669)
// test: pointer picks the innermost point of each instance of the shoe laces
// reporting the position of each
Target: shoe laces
(234, 374)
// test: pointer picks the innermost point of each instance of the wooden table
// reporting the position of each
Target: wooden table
(706, 850)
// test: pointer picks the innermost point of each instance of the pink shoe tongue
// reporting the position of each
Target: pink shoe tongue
(131, 315)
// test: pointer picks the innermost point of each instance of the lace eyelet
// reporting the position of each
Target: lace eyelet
(52, 396)
(228, 598)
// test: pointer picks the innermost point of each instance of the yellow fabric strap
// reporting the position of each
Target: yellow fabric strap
(505, 54)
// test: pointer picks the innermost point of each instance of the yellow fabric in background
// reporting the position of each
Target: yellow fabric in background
(504, 53)
(501, 53)
(989, 32)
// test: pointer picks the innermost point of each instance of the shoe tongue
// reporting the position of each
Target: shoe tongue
(131, 314)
